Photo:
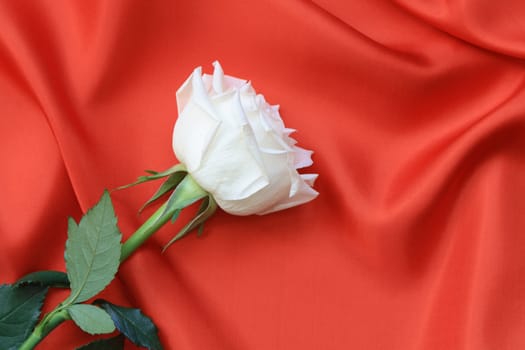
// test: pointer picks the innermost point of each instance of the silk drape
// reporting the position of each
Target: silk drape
(416, 113)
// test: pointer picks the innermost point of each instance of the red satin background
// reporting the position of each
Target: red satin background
(416, 112)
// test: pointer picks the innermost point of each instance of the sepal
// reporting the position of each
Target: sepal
(170, 184)
(156, 175)
(206, 210)
(186, 193)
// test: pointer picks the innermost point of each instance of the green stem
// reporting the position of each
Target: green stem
(43, 329)
(152, 225)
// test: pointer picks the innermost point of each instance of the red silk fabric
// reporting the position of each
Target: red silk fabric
(416, 112)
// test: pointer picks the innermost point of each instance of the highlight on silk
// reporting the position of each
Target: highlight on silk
(235, 153)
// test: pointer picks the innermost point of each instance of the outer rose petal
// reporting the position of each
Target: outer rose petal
(303, 157)
(303, 195)
(193, 133)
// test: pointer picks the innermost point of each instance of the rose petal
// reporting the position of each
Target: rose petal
(309, 178)
(304, 194)
(302, 157)
(218, 78)
(288, 131)
(200, 95)
(231, 171)
(193, 134)
(247, 89)
(183, 94)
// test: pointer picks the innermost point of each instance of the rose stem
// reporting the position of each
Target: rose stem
(43, 329)
(148, 228)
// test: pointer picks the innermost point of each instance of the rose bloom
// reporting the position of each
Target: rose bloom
(236, 147)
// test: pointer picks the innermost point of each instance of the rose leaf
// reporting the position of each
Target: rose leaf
(19, 311)
(114, 343)
(47, 278)
(136, 326)
(91, 319)
(92, 251)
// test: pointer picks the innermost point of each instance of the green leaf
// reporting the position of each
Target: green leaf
(206, 210)
(136, 326)
(92, 251)
(114, 343)
(156, 175)
(91, 319)
(168, 185)
(47, 278)
(19, 312)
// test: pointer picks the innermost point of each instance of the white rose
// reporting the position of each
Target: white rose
(236, 147)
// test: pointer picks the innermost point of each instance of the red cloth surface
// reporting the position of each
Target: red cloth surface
(416, 112)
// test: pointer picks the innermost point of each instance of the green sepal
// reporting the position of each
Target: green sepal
(174, 169)
(91, 319)
(175, 215)
(171, 183)
(46, 278)
(155, 175)
(131, 322)
(200, 230)
(20, 308)
(92, 251)
(186, 193)
(206, 210)
(113, 343)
